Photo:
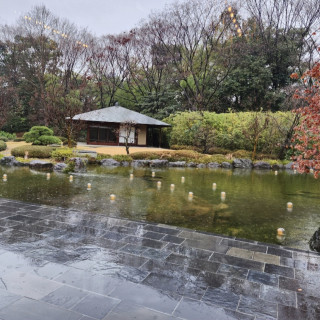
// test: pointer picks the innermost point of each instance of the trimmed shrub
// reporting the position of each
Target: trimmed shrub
(9, 136)
(242, 154)
(40, 152)
(36, 132)
(122, 157)
(62, 154)
(40, 135)
(18, 139)
(73, 143)
(3, 145)
(185, 147)
(144, 156)
(217, 150)
(45, 140)
(5, 139)
(101, 156)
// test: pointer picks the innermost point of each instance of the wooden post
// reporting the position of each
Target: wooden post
(160, 137)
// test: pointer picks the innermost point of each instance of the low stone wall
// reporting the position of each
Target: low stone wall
(157, 163)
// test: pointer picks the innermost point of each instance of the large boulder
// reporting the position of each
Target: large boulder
(20, 164)
(125, 163)
(214, 165)
(140, 163)
(177, 164)
(191, 165)
(242, 163)
(110, 163)
(159, 163)
(80, 164)
(314, 242)
(261, 165)
(201, 165)
(60, 166)
(41, 165)
(277, 166)
(226, 165)
(8, 161)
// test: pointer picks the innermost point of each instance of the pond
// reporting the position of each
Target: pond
(255, 204)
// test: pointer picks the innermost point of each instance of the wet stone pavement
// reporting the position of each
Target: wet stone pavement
(63, 264)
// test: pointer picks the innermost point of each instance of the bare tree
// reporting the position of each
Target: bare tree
(106, 67)
(283, 24)
(127, 132)
(193, 34)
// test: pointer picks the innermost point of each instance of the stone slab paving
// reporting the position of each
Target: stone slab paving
(64, 264)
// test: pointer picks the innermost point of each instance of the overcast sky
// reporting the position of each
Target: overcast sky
(100, 16)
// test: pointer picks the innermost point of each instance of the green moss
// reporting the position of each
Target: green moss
(23, 160)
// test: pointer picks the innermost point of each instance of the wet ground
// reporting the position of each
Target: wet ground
(69, 265)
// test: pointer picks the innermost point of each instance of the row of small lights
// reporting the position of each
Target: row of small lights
(280, 231)
(63, 35)
(234, 20)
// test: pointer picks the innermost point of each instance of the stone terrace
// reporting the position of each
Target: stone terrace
(69, 265)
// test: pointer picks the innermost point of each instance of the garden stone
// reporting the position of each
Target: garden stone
(201, 165)
(158, 163)
(214, 165)
(261, 165)
(276, 167)
(289, 166)
(80, 164)
(140, 163)
(177, 164)
(40, 165)
(242, 163)
(17, 163)
(60, 166)
(110, 163)
(125, 163)
(226, 165)
(191, 164)
(314, 242)
(8, 161)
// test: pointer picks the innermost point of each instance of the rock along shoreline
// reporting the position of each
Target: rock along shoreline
(81, 163)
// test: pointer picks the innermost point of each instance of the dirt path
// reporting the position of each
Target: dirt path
(112, 150)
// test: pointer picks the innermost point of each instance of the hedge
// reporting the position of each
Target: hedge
(227, 131)
(40, 152)
(7, 135)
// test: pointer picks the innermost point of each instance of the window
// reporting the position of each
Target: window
(103, 134)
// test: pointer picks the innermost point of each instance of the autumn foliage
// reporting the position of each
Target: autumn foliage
(306, 139)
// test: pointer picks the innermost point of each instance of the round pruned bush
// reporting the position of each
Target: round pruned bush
(3, 145)
(45, 140)
(41, 135)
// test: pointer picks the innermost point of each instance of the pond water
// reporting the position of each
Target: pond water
(255, 204)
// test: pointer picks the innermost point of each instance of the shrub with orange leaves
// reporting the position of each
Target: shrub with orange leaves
(294, 76)
(307, 134)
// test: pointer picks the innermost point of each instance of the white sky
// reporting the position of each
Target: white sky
(100, 16)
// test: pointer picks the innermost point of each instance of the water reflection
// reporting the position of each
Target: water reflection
(255, 206)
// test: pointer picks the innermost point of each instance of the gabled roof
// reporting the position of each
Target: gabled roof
(118, 114)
